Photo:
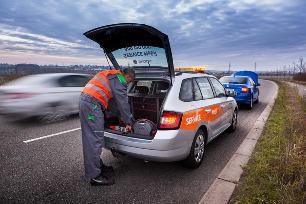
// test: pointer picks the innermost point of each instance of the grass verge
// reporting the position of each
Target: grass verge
(6, 78)
(276, 172)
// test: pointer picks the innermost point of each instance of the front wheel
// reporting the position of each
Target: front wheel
(197, 150)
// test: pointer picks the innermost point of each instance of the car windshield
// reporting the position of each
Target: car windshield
(141, 56)
(233, 80)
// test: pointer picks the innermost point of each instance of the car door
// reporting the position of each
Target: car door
(222, 105)
(70, 89)
(208, 103)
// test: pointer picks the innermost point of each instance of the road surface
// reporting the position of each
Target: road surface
(51, 169)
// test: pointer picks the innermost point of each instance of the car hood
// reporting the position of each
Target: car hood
(114, 37)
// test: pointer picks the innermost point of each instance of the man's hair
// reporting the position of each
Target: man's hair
(129, 71)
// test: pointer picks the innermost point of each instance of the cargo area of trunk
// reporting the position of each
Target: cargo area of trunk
(146, 98)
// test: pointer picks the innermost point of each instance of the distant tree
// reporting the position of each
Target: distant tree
(301, 65)
(293, 67)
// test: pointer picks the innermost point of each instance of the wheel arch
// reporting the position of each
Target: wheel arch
(205, 130)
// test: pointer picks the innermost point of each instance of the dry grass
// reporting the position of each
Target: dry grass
(6, 78)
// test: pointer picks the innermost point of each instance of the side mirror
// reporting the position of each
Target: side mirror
(258, 84)
(230, 93)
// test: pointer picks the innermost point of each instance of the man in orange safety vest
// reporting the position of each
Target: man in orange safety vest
(106, 90)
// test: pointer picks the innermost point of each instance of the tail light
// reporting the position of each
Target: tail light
(244, 89)
(18, 95)
(170, 120)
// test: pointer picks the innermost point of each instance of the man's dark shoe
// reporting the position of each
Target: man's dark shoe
(102, 181)
(107, 170)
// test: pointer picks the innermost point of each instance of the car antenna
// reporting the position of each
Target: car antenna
(107, 60)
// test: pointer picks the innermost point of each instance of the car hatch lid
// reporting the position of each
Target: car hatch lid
(252, 75)
(139, 46)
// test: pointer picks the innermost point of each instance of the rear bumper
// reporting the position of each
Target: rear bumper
(167, 145)
(243, 98)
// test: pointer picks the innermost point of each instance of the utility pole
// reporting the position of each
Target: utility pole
(229, 67)
(255, 66)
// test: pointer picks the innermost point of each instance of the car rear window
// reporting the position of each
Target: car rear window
(233, 80)
(141, 56)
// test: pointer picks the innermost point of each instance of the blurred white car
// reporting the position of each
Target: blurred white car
(49, 96)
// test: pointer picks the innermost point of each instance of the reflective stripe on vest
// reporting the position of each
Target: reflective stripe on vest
(99, 87)
(98, 90)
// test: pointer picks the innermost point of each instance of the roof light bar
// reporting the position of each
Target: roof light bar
(192, 69)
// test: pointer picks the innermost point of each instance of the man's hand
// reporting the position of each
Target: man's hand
(128, 129)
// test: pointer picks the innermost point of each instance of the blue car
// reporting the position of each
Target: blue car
(245, 84)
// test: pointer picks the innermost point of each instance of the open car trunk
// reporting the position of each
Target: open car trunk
(146, 50)
(146, 99)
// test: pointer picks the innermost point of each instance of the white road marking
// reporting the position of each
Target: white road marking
(52, 135)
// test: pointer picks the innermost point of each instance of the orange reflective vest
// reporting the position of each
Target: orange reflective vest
(99, 87)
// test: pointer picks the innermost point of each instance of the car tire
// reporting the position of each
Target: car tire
(250, 105)
(53, 112)
(233, 126)
(257, 100)
(197, 151)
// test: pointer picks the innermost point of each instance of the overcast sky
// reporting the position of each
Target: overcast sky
(208, 33)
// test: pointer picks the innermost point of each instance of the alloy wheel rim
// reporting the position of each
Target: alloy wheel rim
(199, 148)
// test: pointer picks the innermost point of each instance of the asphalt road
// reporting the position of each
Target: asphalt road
(51, 169)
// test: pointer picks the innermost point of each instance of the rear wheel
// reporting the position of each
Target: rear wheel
(233, 126)
(53, 112)
(257, 100)
(197, 150)
(250, 105)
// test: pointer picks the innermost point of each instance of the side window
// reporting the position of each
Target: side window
(186, 93)
(218, 87)
(73, 81)
(252, 82)
(81, 81)
(205, 88)
(196, 91)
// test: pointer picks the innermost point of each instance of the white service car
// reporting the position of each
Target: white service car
(49, 96)
(177, 113)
